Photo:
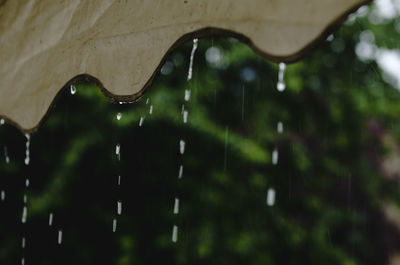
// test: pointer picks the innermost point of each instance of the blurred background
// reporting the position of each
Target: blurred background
(309, 175)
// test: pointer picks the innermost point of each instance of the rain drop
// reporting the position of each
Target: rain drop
(118, 151)
(25, 199)
(182, 146)
(2, 195)
(1, 121)
(271, 197)
(50, 219)
(24, 214)
(279, 127)
(27, 153)
(23, 242)
(72, 89)
(6, 155)
(281, 75)
(27, 183)
(175, 234)
(114, 228)
(275, 156)
(176, 206)
(119, 116)
(60, 237)
(151, 109)
(185, 116)
(190, 71)
(23, 261)
(119, 180)
(180, 174)
(187, 94)
(119, 207)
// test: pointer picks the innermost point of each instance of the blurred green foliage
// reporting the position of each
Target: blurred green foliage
(330, 186)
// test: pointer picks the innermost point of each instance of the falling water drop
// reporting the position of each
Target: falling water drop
(6, 155)
(185, 116)
(119, 116)
(25, 199)
(187, 94)
(3, 195)
(119, 180)
(281, 75)
(23, 261)
(23, 242)
(119, 207)
(27, 153)
(190, 71)
(180, 174)
(182, 147)
(1, 121)
(60, 237)
(175, 234)
(24, 214)
(271, 197)
(72, 89)
(275, 156)
(114, 228)
(176, 206)
(141, 121)
(50, 219)
(279, 127)
(118, 151)
(27, 183)
(151, 109)
(147, 101)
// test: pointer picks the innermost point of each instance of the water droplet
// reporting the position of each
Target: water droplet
(180, 174)
(187, 94)
(72, 89)
(60, 237)
(330, 38)
(27, 152)
(141, 121)
(275, 156)
(182, 146)
(151, 109)
(119, 180)
(175, 234)
(23, 261)
(119, 207)
(114, 228)
(118, 151)
(24, 214)
(50, 219)
(25, 198)
(281, 75)
(190, 71)
(147, 101)
(176, 206)
(6, 155)
(3, 195)
(1, 121)
(279, 127)
(271, 197)
(119, 116)
(23, 242)
(185, 116)
(27, 183)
